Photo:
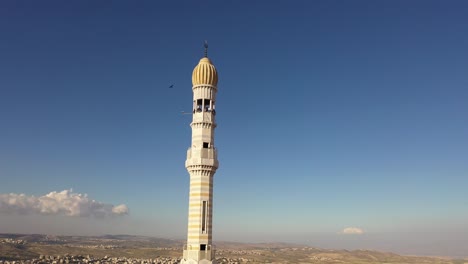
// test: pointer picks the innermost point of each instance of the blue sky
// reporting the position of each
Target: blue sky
(331, 114)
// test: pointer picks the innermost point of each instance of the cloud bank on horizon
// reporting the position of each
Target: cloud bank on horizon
(59, 203)
(352, 231)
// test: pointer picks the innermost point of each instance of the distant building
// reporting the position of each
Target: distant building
(201, 164)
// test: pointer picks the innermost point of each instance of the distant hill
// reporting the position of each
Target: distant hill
(151, 247)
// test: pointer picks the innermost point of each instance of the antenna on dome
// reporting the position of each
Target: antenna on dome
(206, 49)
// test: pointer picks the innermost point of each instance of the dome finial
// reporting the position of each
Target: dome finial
(205, 72)
(206, 49)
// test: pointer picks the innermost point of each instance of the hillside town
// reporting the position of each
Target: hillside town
(79, 259)
(13, 241)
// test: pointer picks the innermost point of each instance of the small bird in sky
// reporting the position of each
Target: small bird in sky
(171, 86)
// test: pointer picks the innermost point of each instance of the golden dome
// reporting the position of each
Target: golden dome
(205, 73)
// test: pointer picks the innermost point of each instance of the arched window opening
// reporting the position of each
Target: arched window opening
(199, 105)
(203, 105)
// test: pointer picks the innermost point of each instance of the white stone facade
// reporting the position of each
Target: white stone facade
(201, 164)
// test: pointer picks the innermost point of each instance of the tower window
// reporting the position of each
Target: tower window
(204, 211)
(206, 144)
(203, 247)
(199, 105)
(207, 105)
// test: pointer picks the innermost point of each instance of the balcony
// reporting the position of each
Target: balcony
(202, 153)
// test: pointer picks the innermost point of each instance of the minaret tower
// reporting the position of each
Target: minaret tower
(201, 164)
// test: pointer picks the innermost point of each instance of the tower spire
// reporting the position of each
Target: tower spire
(206, 49)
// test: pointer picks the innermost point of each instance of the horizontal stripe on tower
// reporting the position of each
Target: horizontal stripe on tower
(201, 190)
(204, 236)
(199, 241)
(198, 203)
(204, 241)
(198, 187)
(198, 216)
(196, 221)
(196, 232)
(195, 215)
(199, 199)
(201, 184)
(196, 235)
(203, 180)
(195, 207)
(193, 247)
(196, 226)
(199, 194)
(193, 223)
(195, 211)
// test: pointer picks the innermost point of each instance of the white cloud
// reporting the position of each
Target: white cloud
(120, 209)
(59, 203)
(352, 231)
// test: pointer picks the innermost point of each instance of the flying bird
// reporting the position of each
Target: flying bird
(171, 86)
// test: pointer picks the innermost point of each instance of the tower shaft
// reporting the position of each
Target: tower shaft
(201, 164)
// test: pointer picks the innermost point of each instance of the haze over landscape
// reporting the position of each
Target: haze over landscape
(341, 124)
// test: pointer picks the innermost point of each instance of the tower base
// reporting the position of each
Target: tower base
(192, 261)
(195, 256)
